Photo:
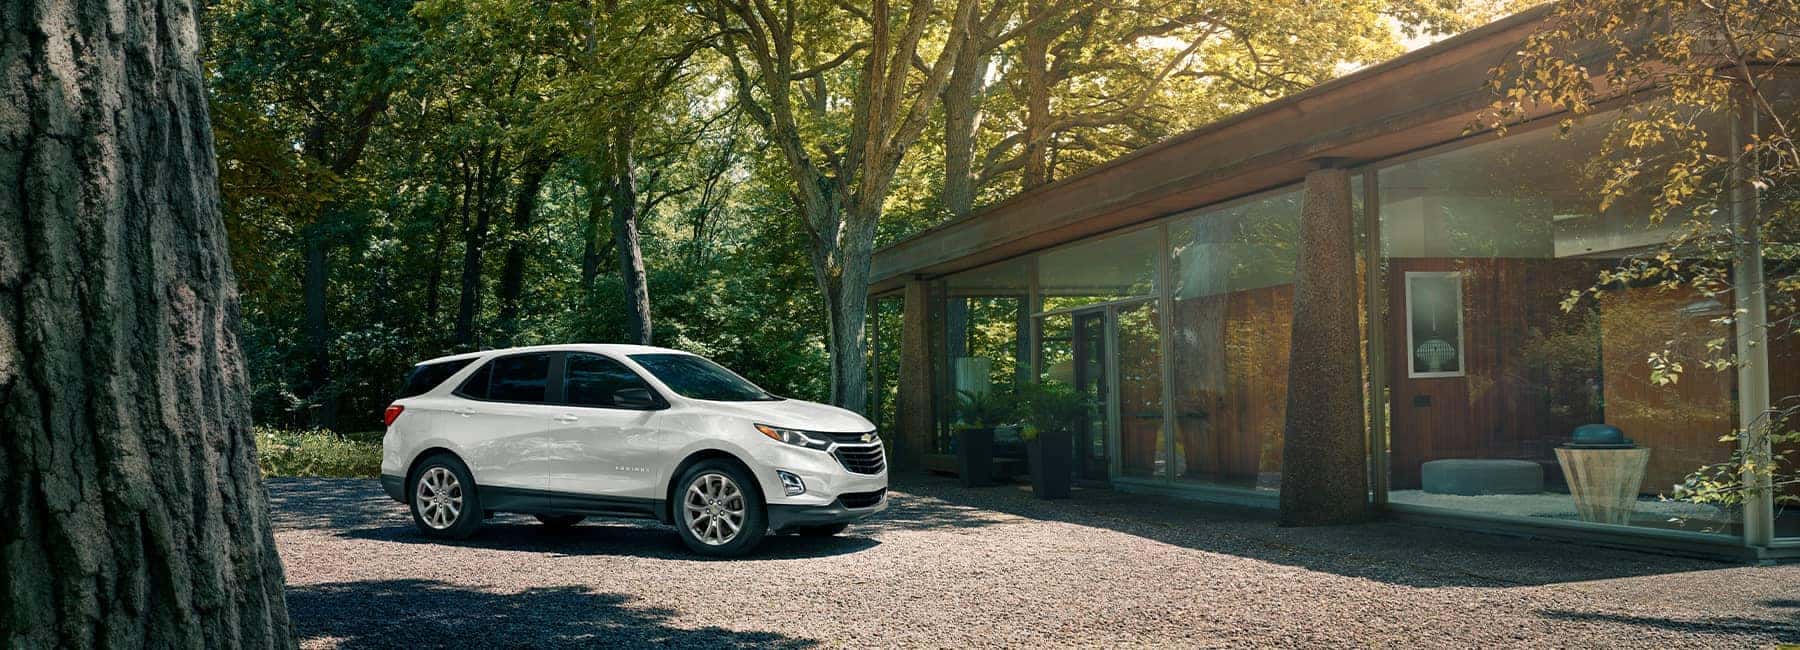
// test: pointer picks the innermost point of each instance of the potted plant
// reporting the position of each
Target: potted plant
(977, 414)
(1052, 410)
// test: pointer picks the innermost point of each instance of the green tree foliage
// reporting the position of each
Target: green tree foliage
(410, 178)
(1686, 76)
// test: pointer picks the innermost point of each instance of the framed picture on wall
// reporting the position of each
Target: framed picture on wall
(1434, 324)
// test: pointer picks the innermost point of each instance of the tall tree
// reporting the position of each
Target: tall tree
(841, 134)
(323, 71)
(136, 513)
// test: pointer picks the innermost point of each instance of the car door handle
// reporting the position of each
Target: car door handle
(465, 412)
(567, 417)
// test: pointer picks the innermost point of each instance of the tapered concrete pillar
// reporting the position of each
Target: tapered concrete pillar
(913, 408)
(1324, 473)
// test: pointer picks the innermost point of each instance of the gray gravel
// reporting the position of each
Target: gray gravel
(952, 567)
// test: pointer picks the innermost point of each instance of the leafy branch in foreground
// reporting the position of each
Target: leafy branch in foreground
(1704, 145)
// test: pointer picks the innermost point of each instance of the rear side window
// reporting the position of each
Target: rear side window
(520, 378)
(591, 380)
(427, 376)
(517, 378)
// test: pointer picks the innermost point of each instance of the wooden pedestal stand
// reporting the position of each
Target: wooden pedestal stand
(1604, 482)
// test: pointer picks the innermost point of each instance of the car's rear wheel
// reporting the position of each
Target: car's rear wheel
(821, 531)
(559, 522)
(444, 500)
(719, 510)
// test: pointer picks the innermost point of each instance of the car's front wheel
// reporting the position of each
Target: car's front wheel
(718, 510)
(444, 500)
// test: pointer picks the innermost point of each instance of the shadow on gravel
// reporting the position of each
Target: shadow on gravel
(610, 538)
(1775, 630)
(313, 503)
(1388, 552)
(426, 613)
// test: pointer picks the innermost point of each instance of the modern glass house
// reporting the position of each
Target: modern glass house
(1162, 284)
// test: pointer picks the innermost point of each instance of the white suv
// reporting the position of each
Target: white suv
(569, 431)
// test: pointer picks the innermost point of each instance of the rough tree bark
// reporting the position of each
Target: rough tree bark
(1036, 60)
(962, 119)
(623, 179)
(1324, 473)
(512, 273)
(135, 514)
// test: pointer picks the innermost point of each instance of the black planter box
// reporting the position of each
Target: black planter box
(975, 457)
(1052, 456)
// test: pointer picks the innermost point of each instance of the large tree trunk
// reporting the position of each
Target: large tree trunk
(1036, 56)
(318, 334)
(962, 119)
(474, 241)
(590, 250)
(512, 274)
(135, 514)
(625, 236)
(842, 273)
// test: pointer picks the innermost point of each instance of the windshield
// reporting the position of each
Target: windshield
(696, 378)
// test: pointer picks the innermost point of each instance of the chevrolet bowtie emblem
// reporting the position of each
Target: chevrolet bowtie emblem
(868, 437)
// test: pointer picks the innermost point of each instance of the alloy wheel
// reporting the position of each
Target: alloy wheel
(713, 509)
(440, 498)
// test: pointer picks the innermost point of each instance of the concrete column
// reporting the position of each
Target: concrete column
(913, 409)
(1324, 477)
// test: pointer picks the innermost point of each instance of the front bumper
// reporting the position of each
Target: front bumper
(785, 518)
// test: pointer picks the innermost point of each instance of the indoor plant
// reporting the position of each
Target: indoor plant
(977, 414)
(1052, 410)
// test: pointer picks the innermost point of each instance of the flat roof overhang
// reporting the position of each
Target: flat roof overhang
(1422, 98)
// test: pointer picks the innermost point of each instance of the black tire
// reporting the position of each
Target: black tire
(821, 531)
(465, 496)
(560, 522)
(754, 524)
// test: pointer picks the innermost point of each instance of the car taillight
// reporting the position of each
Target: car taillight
(393, 413)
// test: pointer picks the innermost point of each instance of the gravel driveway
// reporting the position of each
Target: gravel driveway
(956, 568)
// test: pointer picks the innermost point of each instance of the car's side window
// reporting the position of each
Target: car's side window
(476, 385)
(593, 380)
(425, 377)
(523, 378)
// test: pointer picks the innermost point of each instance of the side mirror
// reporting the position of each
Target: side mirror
(635, 398)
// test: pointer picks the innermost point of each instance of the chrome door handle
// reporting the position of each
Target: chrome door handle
(566, 418)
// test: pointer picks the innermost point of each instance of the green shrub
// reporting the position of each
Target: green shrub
(318, 453)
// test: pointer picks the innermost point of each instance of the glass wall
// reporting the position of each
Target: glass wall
(1502, 341)
(1233, 310)
(1780, 207)
(1101, 335)
(1504, 329)
(986, 315)
(1114, 268)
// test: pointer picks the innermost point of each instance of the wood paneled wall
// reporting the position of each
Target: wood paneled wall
(1231, 366)
(1534, 372)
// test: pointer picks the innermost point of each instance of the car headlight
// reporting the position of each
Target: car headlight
(794, 437)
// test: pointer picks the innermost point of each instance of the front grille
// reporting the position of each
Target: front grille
(862, 499)
(846, 438)
(861, 459)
